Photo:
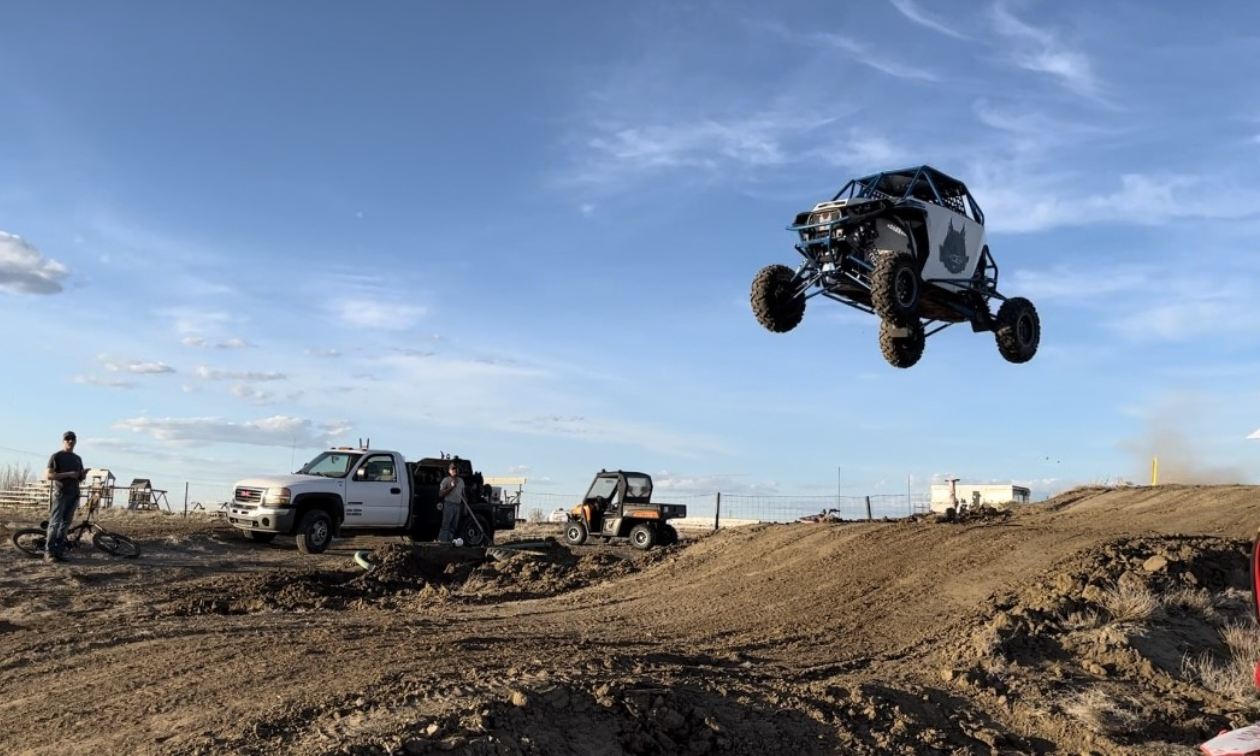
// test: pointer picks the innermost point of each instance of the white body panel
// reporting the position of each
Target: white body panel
(377, 492)
(954, 245)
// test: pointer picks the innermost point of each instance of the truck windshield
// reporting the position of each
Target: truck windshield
(331, 464)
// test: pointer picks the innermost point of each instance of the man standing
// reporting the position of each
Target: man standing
(65, 470)
(451, 495)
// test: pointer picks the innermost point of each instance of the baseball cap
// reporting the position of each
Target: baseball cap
(68, 436)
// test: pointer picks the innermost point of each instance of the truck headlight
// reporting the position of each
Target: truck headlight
(277, 497)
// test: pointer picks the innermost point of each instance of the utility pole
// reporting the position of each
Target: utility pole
(838, 487)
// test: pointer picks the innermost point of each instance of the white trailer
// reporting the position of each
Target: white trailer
(960, 495)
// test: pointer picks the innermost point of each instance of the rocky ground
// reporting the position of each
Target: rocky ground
(1104, 621)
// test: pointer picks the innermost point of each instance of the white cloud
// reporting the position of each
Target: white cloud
(1184, 319)
(697, 485)
(1041, 51)
(868, 56)
(115, 365)
(377, 313)
(92, 380)
(193, 341)
(214, 374)
(323, 353)
(278, 430)
(233, 343)
(23, 270)
(252, 393)
(915, 13)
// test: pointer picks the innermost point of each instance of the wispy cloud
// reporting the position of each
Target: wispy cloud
(215, 374)
(113, 383)
(868, 56)
(918, 15)
(1041, 51)
(23, 270)
(233, 343)
(279, 430)
(698, 485)
(374, 313)
(252, 393)
(322, 353)
(115, 365)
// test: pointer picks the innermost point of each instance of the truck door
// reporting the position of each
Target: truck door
(376, 497)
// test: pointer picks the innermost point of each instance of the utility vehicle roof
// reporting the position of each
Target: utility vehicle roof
(921, 182)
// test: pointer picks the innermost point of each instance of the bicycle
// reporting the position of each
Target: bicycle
(34, 541)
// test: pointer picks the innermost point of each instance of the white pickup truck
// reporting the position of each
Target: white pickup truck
(348, 491)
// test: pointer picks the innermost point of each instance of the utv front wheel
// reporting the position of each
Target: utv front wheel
(1018, 330)
(774, 299)
(902, 346)
(575, 533)
(895, 287)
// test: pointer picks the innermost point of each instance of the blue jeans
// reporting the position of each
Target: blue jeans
(59, 517)
(450, 516)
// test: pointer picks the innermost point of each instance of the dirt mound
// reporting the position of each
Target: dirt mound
(407, 577)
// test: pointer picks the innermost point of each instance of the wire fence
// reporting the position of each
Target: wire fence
(719, 508)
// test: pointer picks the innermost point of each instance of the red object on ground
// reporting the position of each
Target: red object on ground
(1255, 676)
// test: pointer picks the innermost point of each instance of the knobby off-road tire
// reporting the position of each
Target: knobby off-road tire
(669, 535)
(115, 544)
(1018, 330)
(258, 536)
(575, 533)
(773, 298)
(314, 532)
(643, 536)
(31, 541)
(902, 351)
(895, 287)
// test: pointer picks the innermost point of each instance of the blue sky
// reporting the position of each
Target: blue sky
(235, 233)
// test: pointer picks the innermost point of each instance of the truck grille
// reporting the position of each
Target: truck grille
(249, 495)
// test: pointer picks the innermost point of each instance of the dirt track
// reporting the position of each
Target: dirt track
(1021, 632)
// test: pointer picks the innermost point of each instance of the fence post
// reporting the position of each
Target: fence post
(868, 508)
(185, 499)
(717, 512)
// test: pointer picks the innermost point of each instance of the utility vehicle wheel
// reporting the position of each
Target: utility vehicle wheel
(895, 287)
(1018, 330)
(669, 535)
(477, 536)
(314, 532)
(643, 536)
(258, 536)
(902, 346)
(774, 301)
(575, 533)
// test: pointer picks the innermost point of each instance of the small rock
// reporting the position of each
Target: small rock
(1155, 563)
(519, 699)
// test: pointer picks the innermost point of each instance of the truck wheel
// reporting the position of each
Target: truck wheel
(258, 536)
(314, 532)
(774, 303)
(575, 533)
(643, 536)
(474, 536)
(1018, 330)
(895, 287)
(902, 351)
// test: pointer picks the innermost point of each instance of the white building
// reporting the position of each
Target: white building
(955, 494)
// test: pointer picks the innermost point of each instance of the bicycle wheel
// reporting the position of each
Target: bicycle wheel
(115, 544)
(30, 541)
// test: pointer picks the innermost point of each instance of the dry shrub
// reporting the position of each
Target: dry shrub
(1087, 620)
(1231, 676)
(1127, 604)
(13, 477)
(1191, 601)
(1102, 713)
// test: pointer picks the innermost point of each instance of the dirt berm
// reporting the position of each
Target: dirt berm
(1105, 621)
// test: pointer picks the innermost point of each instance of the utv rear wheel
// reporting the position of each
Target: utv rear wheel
(902, 346)
(1018, 330)
(643, 536)
(895, 287)
(314, 533)
(575, 533)
(774, 299)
